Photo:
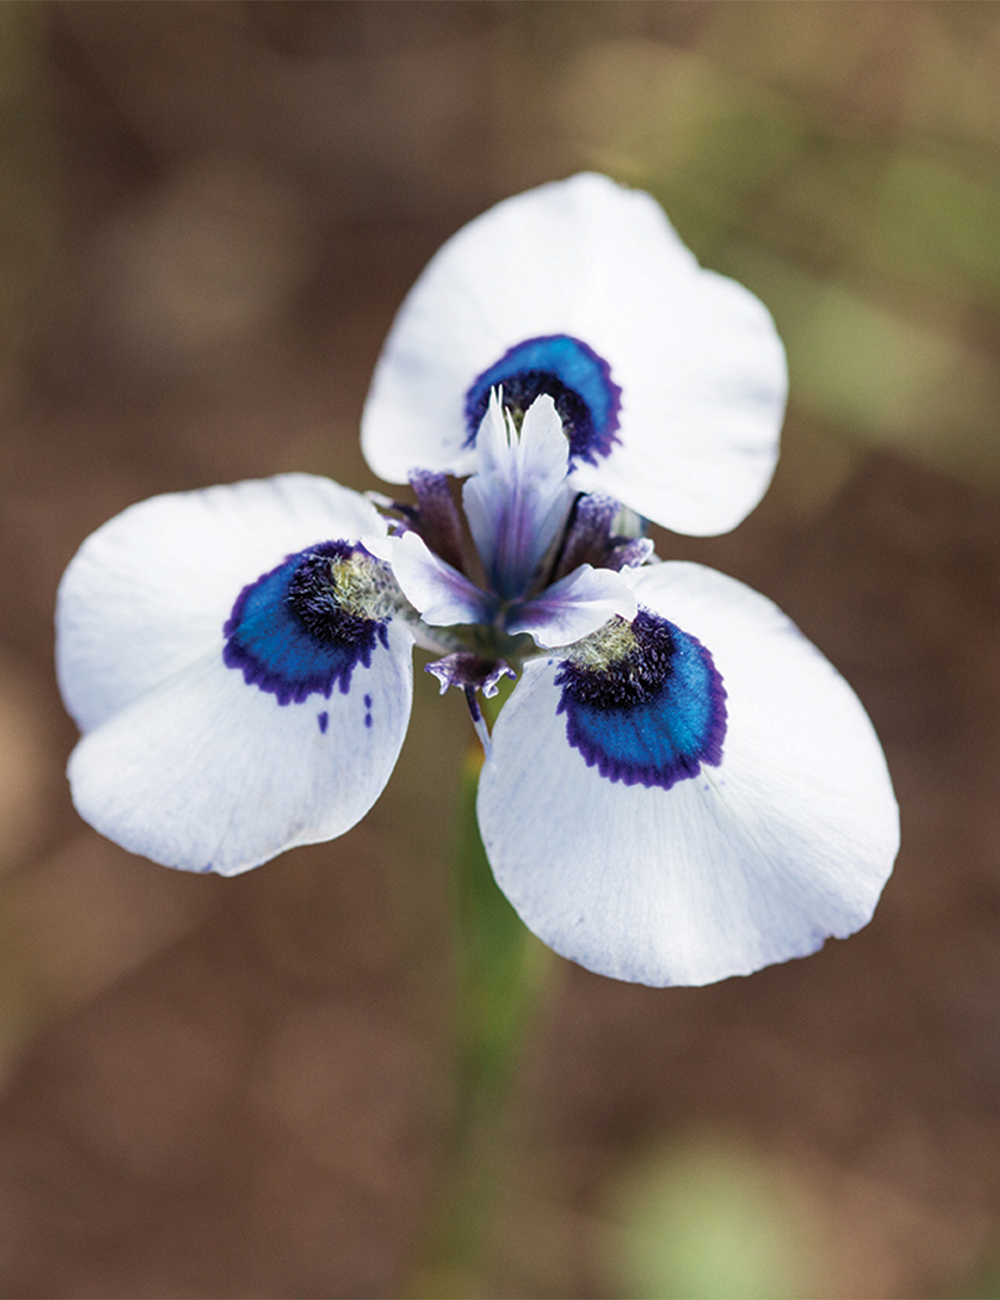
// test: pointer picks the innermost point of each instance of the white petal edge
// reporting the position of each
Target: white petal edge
(697, 356)
(788, 841)
(205, 772)
(148, 593)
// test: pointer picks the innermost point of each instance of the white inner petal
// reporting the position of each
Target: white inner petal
(519, 499)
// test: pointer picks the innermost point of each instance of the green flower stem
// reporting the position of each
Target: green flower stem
(500, 961)
(501, 971)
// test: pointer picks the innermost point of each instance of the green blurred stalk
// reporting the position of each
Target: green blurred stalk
(500, 963)
(500, 974)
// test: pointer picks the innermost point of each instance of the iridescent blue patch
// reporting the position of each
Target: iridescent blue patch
(572, 374)
(289, 636)
(652, 718)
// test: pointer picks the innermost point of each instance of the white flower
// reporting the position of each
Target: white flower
(680, 787)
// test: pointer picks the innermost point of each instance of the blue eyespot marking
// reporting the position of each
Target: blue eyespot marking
(289, 636)
(324, 721)
(651, 718)
(572, 374)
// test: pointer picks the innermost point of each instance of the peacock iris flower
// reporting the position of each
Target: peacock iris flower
(680, 787)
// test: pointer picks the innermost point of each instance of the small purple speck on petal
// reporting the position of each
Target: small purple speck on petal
(324, 721)
(368, 701)
(368, 719)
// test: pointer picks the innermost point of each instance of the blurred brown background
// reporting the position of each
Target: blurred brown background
(209, 213)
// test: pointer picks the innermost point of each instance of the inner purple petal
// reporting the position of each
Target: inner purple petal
(435, 517)
(470, 672)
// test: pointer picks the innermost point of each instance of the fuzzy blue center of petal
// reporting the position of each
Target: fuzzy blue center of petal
(651, 717)
(572, 374)
(289, 634)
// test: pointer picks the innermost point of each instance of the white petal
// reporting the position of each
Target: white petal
(441, 594)
(575, 607)
(518, 500)
(701, 369)
(206, 772)
(149, 592)
(789, 840)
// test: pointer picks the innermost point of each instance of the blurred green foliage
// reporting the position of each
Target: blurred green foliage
(710, 1218)
(501, 964)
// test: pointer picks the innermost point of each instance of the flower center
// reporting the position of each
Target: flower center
(567, 370)
(335, 586)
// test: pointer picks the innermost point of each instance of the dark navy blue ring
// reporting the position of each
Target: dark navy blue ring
(653, 717)
(288, 635)
(571, 373)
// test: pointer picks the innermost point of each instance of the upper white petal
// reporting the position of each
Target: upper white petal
(205, 772)
(149, 592)
(788, 841)
(698, 360)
